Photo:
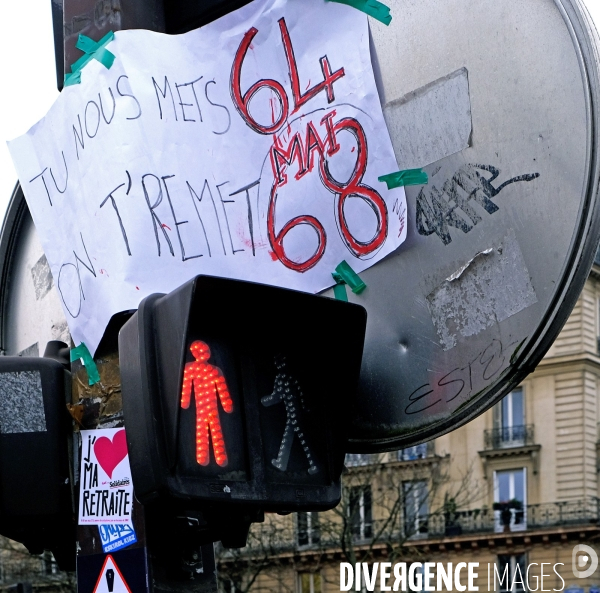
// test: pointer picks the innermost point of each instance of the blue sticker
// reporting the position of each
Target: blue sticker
(116, 537)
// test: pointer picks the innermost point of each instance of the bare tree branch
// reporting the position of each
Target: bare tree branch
(385, 505)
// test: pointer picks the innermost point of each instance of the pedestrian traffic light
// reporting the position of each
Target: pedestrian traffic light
(237, 393)
(36, 505)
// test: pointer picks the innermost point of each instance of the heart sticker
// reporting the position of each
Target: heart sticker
(110, 453)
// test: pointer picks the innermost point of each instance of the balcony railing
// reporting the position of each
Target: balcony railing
(533, 516)
(422, 451)
(509, 436)
(275, 540)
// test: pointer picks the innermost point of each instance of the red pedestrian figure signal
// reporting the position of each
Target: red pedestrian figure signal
(206, 380)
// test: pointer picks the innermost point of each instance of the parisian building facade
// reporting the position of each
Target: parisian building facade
(516, 490)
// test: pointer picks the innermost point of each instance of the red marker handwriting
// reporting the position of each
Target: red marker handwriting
(313, 148)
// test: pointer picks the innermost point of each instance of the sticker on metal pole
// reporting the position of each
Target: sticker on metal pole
(106, 488)
(116, 537)
(124, 571)
(110, 579)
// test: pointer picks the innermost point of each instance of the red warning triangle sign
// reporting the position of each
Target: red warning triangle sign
(111, 580)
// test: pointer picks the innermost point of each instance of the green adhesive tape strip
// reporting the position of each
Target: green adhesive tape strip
(82, 352)
(339, 291)
(346, 274)
(373, 8)
(406, 177)
(93, 50)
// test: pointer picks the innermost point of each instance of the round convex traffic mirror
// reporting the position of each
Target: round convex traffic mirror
(498, 102)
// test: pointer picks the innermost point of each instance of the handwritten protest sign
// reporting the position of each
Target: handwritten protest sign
(105, 485)
(250, 148)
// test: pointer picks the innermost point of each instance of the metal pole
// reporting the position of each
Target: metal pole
(166, 553)
(95, 18)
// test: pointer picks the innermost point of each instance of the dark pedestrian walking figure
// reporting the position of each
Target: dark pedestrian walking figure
(288, 390)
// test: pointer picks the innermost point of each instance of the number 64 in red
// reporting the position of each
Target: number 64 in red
(242, 101)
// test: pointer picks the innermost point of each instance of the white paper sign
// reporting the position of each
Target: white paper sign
(250, 148)
(105, 484)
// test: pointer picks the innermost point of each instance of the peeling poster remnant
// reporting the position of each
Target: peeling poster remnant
(431, 123)
(490, 288)
(42, 278)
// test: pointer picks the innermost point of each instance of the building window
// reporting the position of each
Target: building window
(413, 453)
(228, 586)
(49, 566)
(416, 508)
(510, 499)
(309, 582)
(361, 513)
(308, 531)
(512, 419)
(598, 326)
(510, 573)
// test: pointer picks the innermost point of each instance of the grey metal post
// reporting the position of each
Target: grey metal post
(95, 18)
(187, 567)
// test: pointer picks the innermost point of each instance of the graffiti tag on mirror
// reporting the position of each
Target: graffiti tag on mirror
(462, 201)
(466, 380)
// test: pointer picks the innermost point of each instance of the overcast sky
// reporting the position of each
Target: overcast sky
(29, 81)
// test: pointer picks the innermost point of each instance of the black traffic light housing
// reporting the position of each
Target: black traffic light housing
(182, 15)
(282, 370)
(179, 16)
(36, 505)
